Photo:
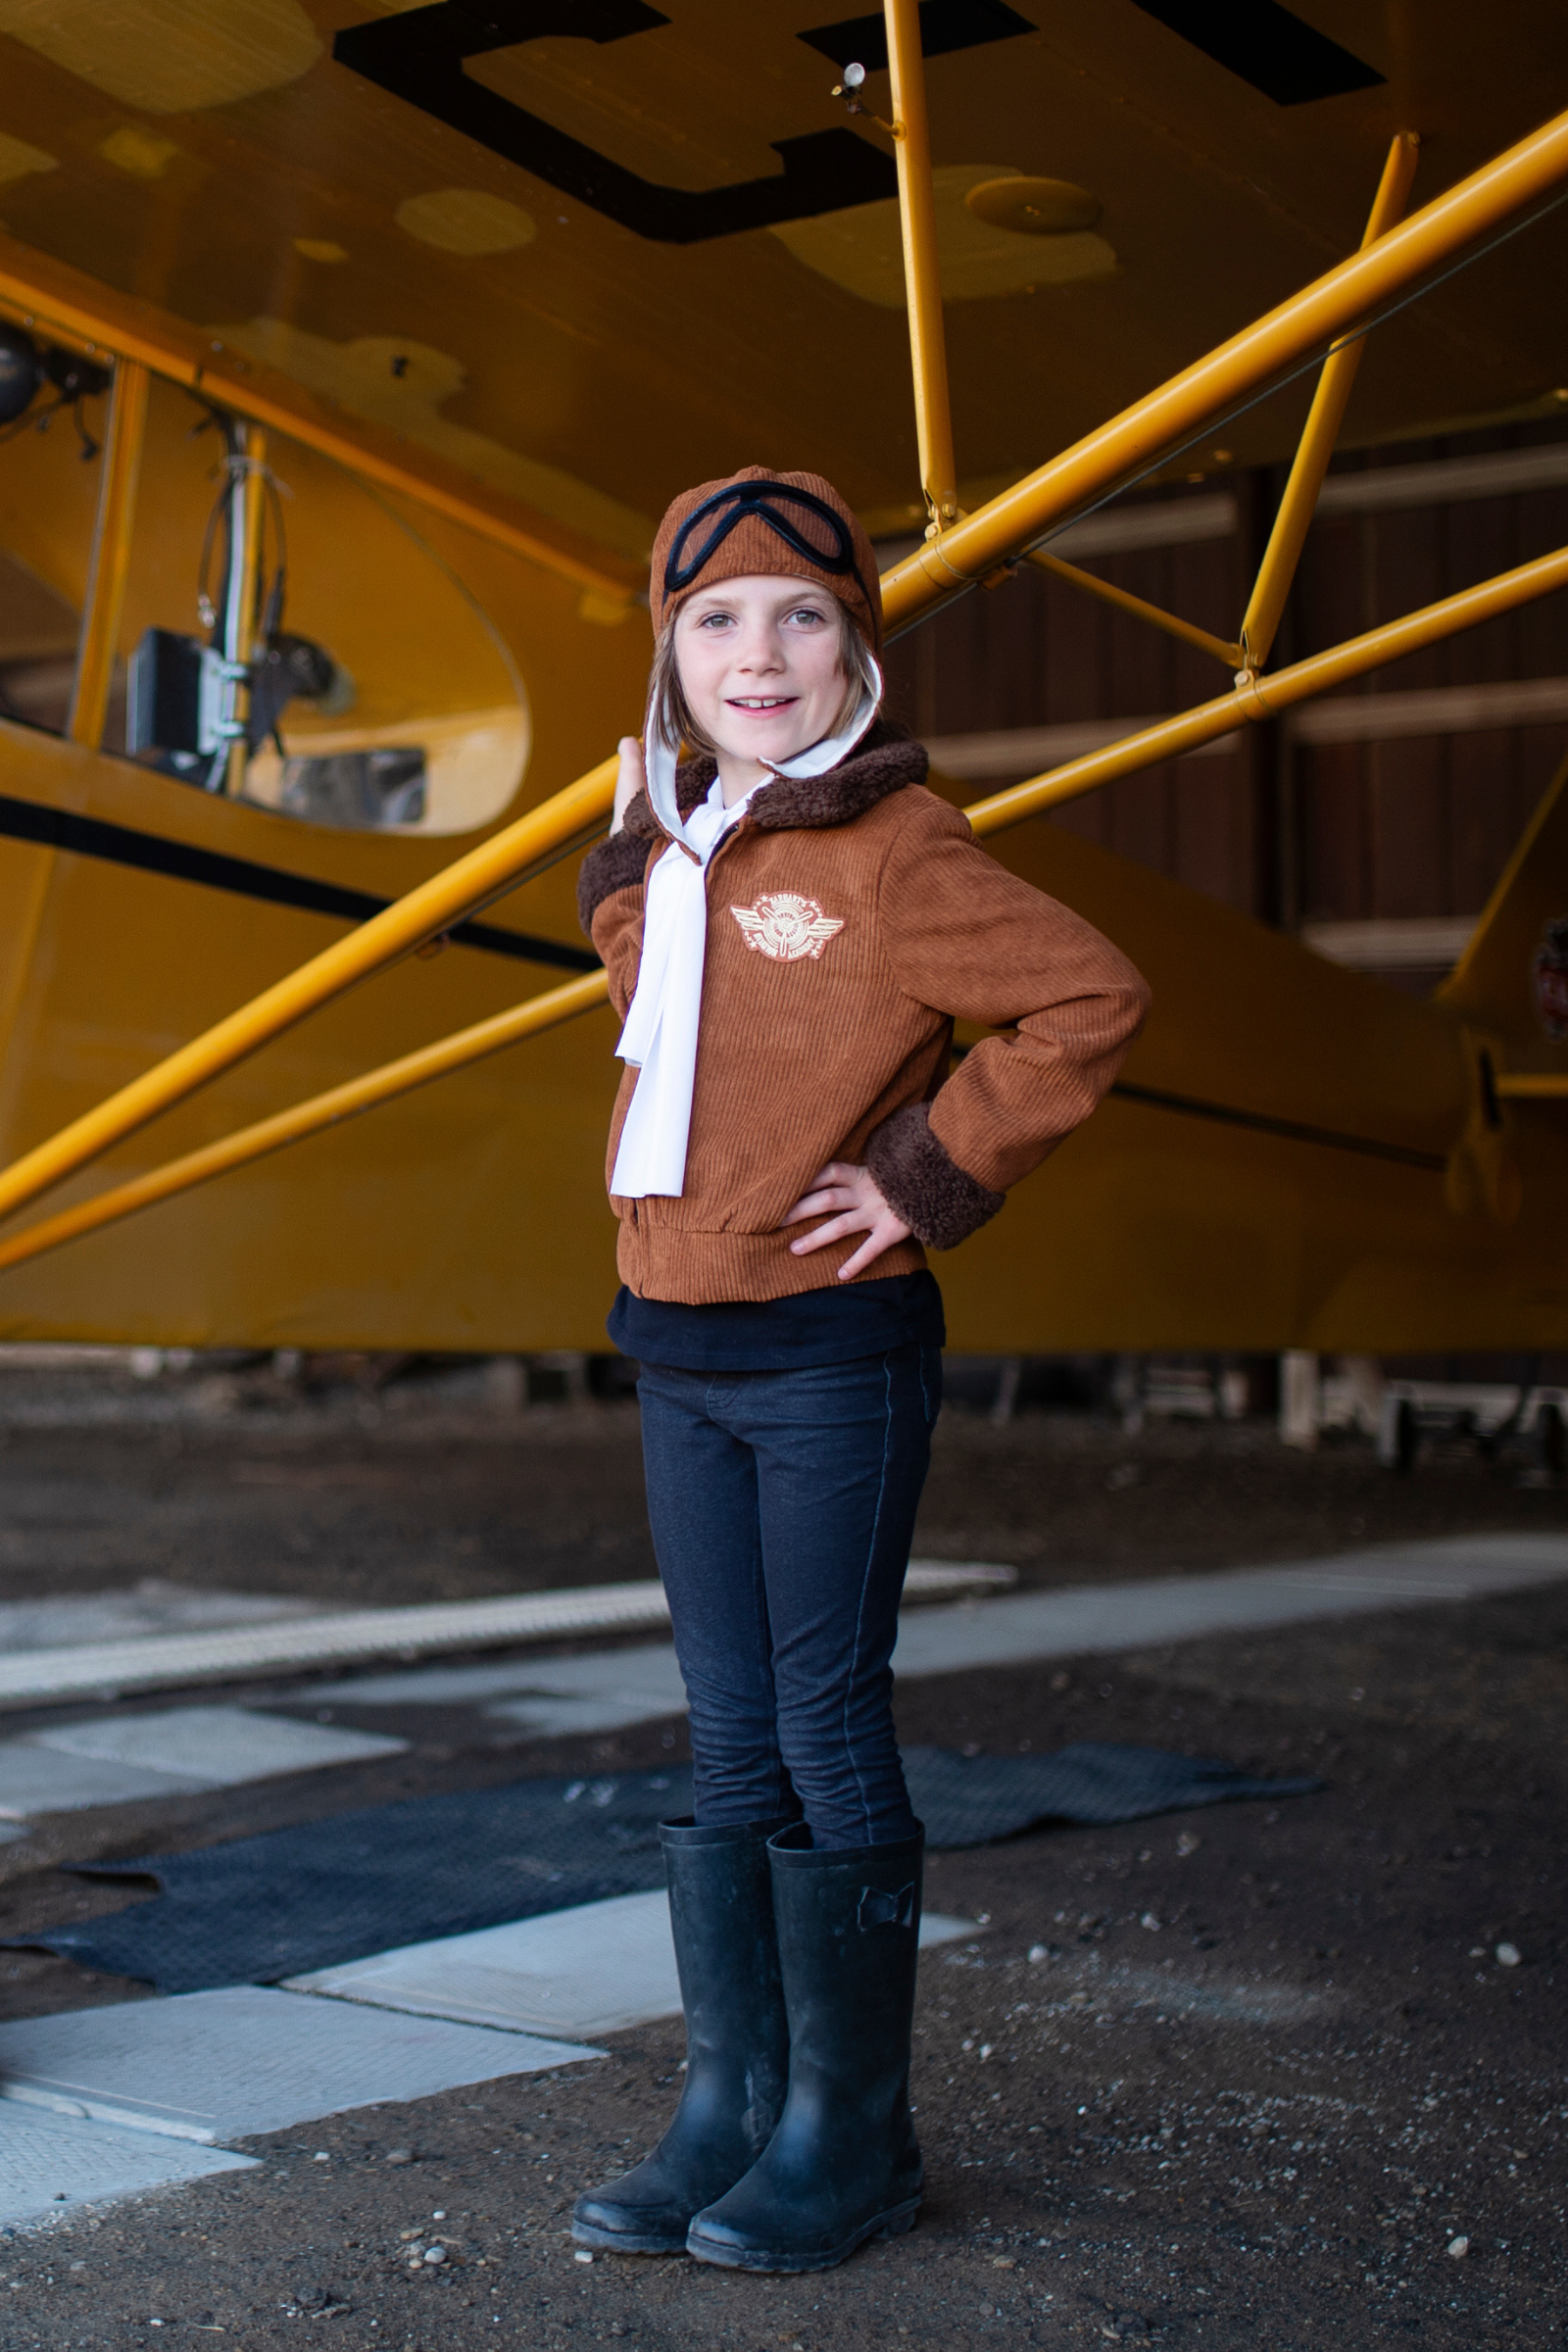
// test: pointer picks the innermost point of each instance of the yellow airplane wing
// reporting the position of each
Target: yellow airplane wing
(428, 310)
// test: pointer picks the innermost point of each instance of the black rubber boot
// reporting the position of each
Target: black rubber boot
(737, 2043)
(844, 2164)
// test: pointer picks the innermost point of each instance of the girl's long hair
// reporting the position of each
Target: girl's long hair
(670, 717)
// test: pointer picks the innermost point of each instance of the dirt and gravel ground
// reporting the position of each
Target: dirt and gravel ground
(1255, 2075)
(426, 1491)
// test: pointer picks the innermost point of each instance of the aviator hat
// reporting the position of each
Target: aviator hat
(754, 523)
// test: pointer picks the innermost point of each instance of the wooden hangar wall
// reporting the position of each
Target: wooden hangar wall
(1373, 823)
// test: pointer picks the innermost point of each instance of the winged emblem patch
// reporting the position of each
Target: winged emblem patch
(785, 926)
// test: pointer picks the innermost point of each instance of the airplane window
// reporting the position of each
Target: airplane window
(356, 788)
(382, 693)
(51, 420)
(37, 647)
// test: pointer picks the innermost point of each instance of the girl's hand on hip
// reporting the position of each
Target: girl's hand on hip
(851, 1202)
(630, 781)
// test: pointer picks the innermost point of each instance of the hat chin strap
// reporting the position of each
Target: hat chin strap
(658, 756)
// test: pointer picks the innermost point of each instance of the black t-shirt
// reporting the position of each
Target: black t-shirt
(829, 1326)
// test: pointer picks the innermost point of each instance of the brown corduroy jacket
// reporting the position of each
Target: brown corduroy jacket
(851, 918)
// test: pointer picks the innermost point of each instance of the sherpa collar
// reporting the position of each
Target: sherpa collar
(883, 761)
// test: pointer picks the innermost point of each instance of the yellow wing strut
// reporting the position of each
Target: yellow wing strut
(970, 549)
(485, 874)
(922, 282)
(994, 816)
(1319, 434)
(111, 556)
(1343, 297)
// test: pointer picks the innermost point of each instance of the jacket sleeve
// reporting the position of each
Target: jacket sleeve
(610, 908)
(967, 938)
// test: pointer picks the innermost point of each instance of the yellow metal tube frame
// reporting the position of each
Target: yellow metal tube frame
(40, 291)
(486, 873)
(1344, 297)
(1319, 434)
(111, 556)
(1168, 740)
(1125, 601)
(1269, 698)
(928, 358)
(1533, 1086)
(974, 546)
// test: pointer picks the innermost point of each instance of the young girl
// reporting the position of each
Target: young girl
(791, 923)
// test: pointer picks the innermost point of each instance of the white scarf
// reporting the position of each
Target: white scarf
(659, 1037)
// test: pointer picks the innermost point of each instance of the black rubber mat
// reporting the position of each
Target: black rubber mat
(972, 1800)
(356, 1882)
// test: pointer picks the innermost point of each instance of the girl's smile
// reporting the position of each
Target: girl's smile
(762, 666)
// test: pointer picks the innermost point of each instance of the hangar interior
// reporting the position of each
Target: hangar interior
(338, 1701)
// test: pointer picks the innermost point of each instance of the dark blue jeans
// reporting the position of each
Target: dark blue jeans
(782, 1507)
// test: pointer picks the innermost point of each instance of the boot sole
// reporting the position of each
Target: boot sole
(893, 2224)
(621, 2241)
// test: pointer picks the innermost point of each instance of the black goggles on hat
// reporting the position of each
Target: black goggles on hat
(731, 506)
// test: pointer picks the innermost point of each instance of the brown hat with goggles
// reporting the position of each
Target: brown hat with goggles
(757, 524)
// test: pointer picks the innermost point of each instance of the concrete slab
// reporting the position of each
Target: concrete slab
(541, 1679)
(594, 1693)
(153, 1606)
(927, 1580)
(40, 1779)
(117, 1759)
(74, 1655)
(217, 1748)
(595, 1968)
(50, 2164)
(604, 1691)
(173, 1660)
(597, 1694)
(107, 1760)
(219, 2066)
(1112, 1617)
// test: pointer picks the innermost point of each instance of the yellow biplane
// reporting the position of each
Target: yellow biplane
(371, 339)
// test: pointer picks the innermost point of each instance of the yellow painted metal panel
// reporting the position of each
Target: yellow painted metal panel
(521, 366)
(111, 555)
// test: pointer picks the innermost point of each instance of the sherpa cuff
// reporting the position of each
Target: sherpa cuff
(618, 864)
(939, 1202)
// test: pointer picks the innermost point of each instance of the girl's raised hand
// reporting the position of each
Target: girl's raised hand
(630, 781)
(848, 1198)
